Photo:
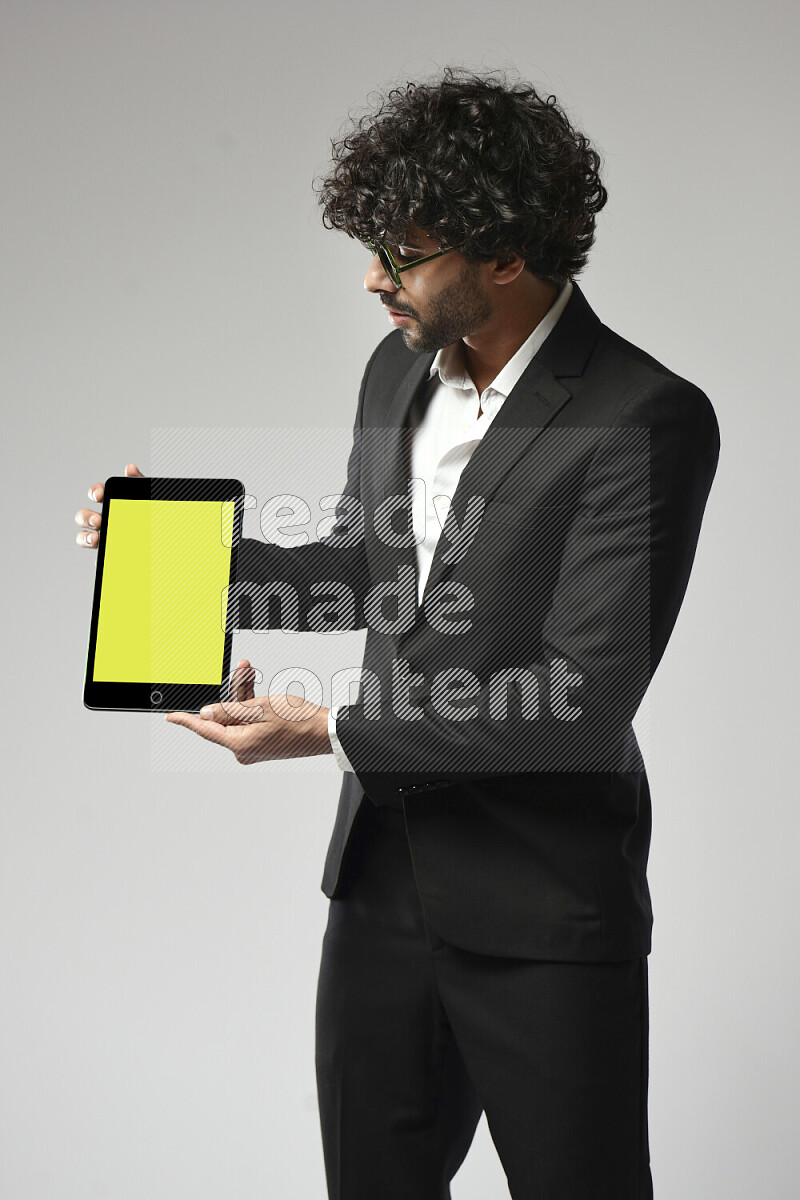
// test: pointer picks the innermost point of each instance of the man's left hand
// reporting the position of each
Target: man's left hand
(260, 729)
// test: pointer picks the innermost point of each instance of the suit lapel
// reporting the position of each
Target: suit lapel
(527, 410)
(399, 432)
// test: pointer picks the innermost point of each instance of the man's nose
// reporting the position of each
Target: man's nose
(376, 279)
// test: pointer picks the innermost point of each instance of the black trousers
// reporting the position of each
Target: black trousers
(415, 1038)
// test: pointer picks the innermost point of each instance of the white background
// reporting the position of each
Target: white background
(163, 265)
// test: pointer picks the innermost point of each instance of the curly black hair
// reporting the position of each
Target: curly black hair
(469, 158)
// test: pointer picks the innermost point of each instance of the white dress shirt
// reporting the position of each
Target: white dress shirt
(454, 422)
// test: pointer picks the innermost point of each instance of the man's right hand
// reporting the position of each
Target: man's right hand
(90, 520)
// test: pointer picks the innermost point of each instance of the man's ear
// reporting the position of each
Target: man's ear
(509, 266)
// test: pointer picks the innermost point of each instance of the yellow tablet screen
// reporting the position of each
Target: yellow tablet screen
(164, 591)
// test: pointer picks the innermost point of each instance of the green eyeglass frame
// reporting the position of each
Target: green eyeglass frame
(393, 268)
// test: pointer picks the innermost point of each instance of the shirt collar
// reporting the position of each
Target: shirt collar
(448, 362)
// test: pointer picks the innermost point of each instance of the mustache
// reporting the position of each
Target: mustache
(392, 308)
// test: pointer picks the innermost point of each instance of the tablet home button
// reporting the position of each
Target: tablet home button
(156, 697)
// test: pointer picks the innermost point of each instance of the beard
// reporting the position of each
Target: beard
(457, 311)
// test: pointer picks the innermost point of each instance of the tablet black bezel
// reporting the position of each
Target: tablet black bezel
(155, 696)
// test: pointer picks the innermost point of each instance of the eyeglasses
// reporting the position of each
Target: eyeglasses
(393, 268)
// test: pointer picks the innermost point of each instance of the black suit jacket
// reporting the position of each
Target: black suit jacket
(502, 726)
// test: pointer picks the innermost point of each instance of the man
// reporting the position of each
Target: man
(490, 918)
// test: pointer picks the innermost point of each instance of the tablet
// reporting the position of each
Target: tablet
(161, 631)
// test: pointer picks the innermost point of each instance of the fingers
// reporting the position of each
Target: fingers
(243, 681)
(238, 740)
(97, 491)
(87, 518)
(242, 707)
(239, 707)
(233, 712)
(90, 520)
(287, 707)
(209, 730)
